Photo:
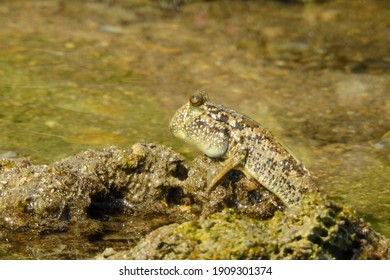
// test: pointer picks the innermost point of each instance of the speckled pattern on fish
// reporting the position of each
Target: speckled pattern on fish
(246, 145)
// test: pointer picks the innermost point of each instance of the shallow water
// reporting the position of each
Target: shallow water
(76, 76)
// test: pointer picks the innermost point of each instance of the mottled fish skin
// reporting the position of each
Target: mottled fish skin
(223, 133)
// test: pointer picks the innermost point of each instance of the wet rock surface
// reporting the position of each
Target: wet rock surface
(91, 184)
(318, 230)
(146, 203)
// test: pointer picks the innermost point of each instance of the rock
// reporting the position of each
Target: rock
(145, 203)
(318, 230)
(89, 184)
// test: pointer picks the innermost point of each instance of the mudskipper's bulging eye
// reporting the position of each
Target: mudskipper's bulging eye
(196, 100)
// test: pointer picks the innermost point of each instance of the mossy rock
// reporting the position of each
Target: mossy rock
(317, 230)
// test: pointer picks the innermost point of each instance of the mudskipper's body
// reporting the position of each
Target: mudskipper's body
(244, 144)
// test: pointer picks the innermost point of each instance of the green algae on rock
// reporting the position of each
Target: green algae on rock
(318, 230)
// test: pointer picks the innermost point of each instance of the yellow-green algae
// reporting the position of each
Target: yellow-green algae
(317, 230)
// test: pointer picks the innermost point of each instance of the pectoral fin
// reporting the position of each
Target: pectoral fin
(233, 161)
